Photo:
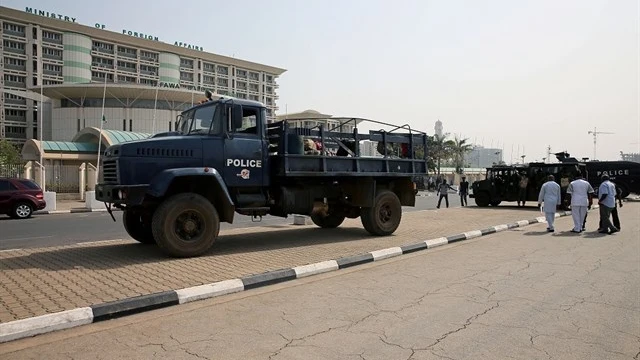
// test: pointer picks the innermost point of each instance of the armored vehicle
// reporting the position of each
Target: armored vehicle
(625, 174)
(502, 182)
(223, 158)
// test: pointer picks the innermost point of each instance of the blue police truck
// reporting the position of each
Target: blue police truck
(224, 158)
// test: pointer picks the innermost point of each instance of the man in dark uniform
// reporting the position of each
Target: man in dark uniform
(464, 191)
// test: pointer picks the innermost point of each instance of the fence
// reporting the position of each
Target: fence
(12, 170)
(62, 178)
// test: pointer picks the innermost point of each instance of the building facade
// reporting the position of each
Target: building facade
(481, 157)
(40, 48)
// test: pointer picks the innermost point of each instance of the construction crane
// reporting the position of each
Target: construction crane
(595, 134)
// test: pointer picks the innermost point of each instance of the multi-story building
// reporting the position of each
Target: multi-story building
(70, 60)
(481, 157)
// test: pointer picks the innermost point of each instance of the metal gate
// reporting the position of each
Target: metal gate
(62, 178)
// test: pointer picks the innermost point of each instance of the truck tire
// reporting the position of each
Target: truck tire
(384, 217)
(137, 227)
(495, 203)
(482, 199)
(185, 225)
(624, 192)
(330, 221)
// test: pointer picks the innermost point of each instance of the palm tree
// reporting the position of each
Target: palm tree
(459, 148)
(440, 148)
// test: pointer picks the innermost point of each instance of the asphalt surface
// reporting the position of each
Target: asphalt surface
(519, 294)
(65, 229)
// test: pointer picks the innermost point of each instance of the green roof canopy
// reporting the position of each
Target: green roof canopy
(68, 146)
(118, 137)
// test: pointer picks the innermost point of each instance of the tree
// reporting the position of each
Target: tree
(439, 148)
(460, 148)
(9, 154)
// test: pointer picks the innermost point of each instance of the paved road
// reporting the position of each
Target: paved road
(63, 229)
(522, 294)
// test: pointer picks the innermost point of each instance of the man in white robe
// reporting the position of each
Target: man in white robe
(581, 200)
(549, 199)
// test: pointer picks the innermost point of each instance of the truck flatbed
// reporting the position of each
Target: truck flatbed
(290, 160)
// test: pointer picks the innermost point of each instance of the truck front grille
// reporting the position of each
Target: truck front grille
(109, 172)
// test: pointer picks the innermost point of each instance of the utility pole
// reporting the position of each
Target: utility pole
(595, 134)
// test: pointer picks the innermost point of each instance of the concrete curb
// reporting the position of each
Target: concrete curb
(71, 318)
(71, 211)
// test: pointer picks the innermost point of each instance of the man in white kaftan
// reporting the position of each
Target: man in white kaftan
(581, 199)
(549, 199)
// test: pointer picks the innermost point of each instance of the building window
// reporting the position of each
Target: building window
(48, 35)
(13, 28)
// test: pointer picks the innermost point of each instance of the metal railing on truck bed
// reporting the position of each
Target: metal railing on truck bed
(296, 151)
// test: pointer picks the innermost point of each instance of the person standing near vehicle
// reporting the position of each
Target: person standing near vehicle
(523, 183)
(549, 198)
(443, 191)
(607, 202)
(464, 191)
(614, 212)
(581, 200)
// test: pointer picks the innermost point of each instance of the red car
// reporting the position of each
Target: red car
(19, 198)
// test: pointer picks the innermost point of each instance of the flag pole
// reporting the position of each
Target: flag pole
(41, 111)
(102, 120)
(155, 103)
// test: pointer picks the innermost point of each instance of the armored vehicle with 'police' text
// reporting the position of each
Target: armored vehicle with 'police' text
(504, 182)
(224, 158)
(625, 174)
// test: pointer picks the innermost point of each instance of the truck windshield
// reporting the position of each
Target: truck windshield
(197, 121)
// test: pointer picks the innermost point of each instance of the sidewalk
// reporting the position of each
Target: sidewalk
(520, 294)
(43, 288)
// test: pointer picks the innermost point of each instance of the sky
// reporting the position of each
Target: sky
(517, 75)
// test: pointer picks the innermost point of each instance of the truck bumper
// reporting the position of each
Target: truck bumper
(121, 194)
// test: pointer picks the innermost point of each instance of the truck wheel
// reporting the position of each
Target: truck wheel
(137, 227)
(495, 203)
(482, 199)
(185, 225)
(352, 212)
(330, 221)
(384, 217)
(624, 192)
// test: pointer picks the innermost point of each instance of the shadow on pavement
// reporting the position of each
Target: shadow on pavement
(537, 233)
(117, 255)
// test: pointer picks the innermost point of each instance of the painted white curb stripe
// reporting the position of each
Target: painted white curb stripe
(436, 242)
(45, 323)
(386, 253)
(542, 219)
(523, 222)
(502, 227)
(209, 290)
(317, 268)
(473, 234)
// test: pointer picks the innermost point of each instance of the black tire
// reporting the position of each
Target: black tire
(22, 210)
(185, 225)
(384, 217)
(482, 199)
(138, 226)
(495, 203)
(352, 212)
(624, 192)
(330, 221)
